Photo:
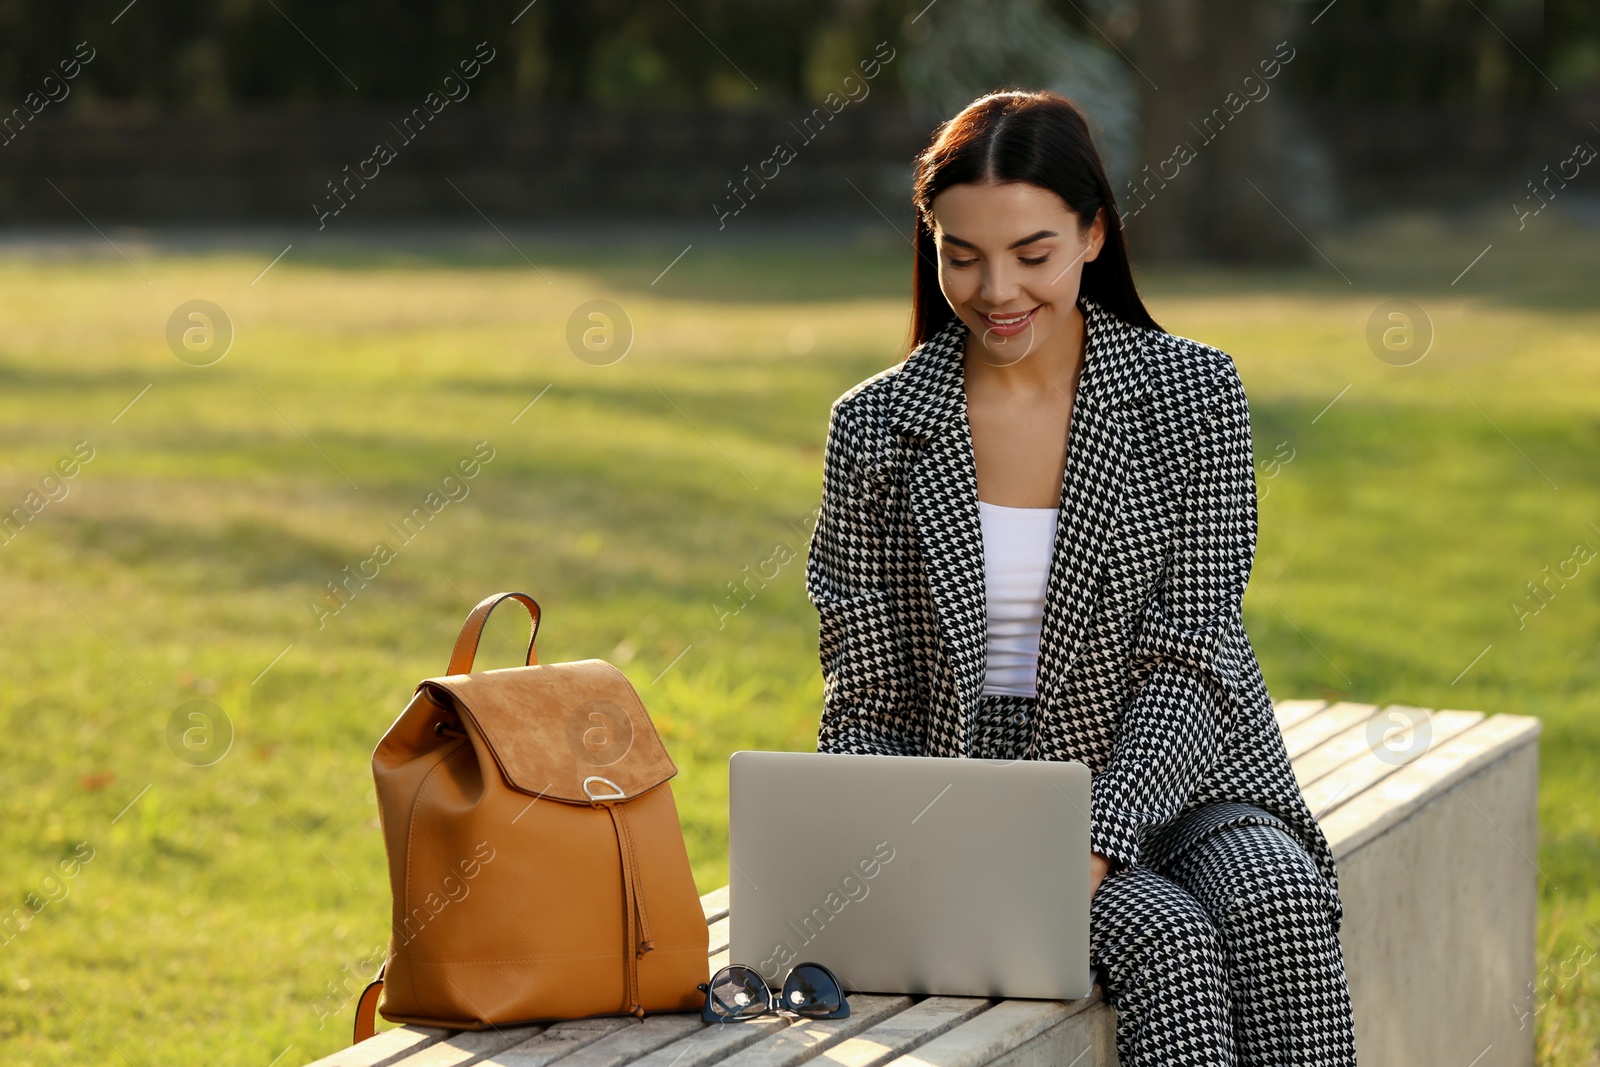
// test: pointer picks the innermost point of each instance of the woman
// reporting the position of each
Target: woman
(1033, 543)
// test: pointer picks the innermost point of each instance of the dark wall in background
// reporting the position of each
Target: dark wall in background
(512, 164)
(208, 55)
(1419, 155)
(556, 163)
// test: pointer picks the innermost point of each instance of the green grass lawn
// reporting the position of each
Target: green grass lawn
(224, 910)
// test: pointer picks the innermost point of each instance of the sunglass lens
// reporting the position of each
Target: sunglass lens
(737, 991)
(812, 990)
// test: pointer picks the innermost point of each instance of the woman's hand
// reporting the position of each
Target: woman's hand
(1099, 867)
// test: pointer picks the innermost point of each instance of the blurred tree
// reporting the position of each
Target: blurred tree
(1572, 34)
(1486, 53)
(209, 54)
(1215, 180)
(195, 54)
(957, 53)
(1208, 155)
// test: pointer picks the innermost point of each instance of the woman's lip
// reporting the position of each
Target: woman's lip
(1008, 329)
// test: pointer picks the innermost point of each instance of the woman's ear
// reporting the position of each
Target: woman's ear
(1096, 237)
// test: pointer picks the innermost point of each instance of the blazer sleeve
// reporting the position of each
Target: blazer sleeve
(1190, 642)
(866, 664)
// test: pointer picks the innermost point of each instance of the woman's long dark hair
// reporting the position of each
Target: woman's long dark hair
(1040, 138)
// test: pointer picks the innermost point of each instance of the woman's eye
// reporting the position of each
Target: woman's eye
(969, 262)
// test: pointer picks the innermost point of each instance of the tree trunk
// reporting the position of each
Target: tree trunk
(1213, 123)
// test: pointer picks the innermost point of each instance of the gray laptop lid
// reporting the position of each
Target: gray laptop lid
(912, 874)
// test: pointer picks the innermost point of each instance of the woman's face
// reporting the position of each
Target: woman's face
(1010, 259)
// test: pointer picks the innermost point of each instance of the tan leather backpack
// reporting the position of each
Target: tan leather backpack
(536, 861)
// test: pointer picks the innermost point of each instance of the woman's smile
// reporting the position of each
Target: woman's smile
(1010, 323)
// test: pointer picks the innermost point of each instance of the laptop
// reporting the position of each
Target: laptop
(912, 874)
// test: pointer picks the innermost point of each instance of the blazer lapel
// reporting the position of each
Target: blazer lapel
(929, 403)
(1091, 490)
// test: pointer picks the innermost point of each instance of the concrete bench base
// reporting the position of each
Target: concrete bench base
(1441, 905)
(1436, 837)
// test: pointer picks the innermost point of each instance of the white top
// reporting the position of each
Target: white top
(1018, 544)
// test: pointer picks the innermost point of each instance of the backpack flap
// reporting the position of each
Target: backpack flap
(567, 731)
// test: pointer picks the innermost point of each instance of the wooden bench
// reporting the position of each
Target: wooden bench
(1433, 820)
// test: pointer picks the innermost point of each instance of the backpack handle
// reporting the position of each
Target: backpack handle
(466, 649)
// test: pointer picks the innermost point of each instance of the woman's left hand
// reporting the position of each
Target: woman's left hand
(1099, 867)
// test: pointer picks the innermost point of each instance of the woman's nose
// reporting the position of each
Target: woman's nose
(999, 285)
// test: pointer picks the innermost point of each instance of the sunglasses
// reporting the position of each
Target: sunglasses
(739, 992)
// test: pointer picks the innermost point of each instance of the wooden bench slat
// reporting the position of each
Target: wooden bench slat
(556, 1042)
(625, 1044)
(385, 1048)
(1315, 729)
(715, 904)
(719, 937)
(771, 1039)
(1360, 742)
(1002, 1028)
(807, 1038)
(905, 1031)
(1290, 712)
(1399, 795)
(1336, 749)
(1350, 778)
(470, 1046)
(713, 1042)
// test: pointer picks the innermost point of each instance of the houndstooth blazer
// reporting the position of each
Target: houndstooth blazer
(1145, 672)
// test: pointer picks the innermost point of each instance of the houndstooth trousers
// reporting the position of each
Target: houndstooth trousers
(1217, 948)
